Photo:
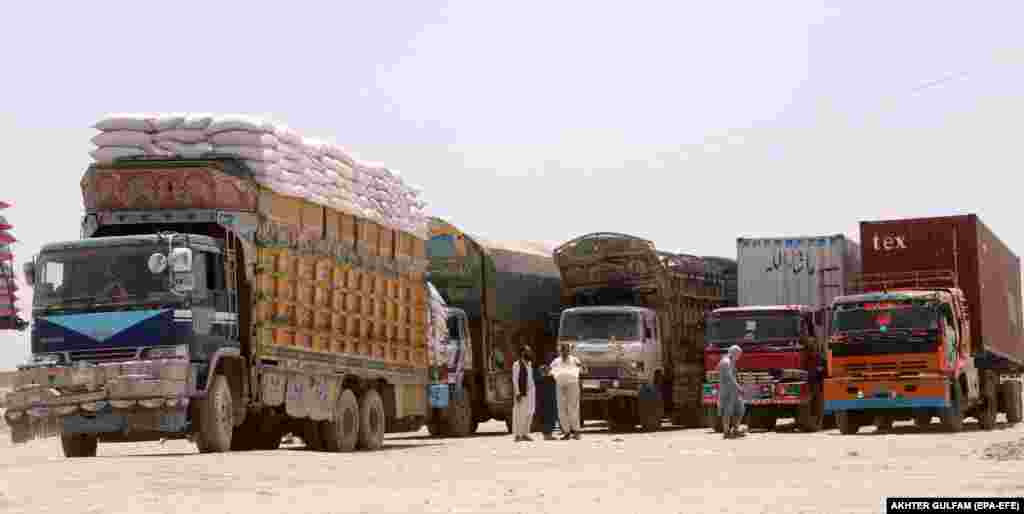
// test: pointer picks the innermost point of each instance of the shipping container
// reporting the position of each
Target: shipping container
(985, 269)
(795, 270)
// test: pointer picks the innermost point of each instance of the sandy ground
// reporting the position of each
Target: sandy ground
(670, 471)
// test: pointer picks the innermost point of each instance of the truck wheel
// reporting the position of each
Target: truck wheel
(341, 434)
(434, 428)
(883, 424)
(811, 415)
(952, 417)
(828, 422)
(246, 437)
(922, 420)
(79, 445)
(458, 417)
(312, 435)
(848, 425)
(216, 417)
(1011, 400)
(766, 423)
(371, 420)
(988, 412)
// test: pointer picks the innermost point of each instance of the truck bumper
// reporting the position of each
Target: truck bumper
(846, 394)
(606, 389)
(140, 395)
(775, 394)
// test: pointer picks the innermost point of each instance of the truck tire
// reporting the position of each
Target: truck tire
(952, 417)
(216, 417)
(766, 423)
(434, 428)
(922, 420)
(1011, 401)
(458, 417)
(246, 437)
(79, 445)
(341, 434)
(312, 434)
(883, 424)
(988, 412)
(828, 421)
(371, 421)
(848, 425)
(811, 415)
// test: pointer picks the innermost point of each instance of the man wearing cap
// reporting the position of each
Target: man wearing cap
(566, 370)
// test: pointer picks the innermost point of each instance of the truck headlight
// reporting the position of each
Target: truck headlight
(45, 359)
(166, 352)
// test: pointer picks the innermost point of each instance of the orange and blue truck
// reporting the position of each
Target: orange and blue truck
(933, 329)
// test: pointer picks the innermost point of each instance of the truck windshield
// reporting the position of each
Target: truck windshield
(113, 274)
(753, 327)
(884, 316)
(600, 325)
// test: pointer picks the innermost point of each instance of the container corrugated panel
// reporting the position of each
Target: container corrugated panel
(987, 270)
(799, 270)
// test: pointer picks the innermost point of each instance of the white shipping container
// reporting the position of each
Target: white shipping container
(800, 270)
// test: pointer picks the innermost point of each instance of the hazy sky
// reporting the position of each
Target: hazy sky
(688, 123)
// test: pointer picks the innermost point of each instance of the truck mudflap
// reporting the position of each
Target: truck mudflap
(844, 394)
(766, 394)
(115, 397)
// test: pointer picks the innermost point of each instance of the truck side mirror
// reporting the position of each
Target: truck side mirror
(157, 263)
(29, 269)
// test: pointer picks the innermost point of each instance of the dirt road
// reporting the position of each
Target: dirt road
(669, 471)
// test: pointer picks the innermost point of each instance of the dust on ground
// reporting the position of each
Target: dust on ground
(669, 471)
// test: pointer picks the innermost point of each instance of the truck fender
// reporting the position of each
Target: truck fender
(223, 353)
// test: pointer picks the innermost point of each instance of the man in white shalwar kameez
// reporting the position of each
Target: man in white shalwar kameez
(566, 370)
(524, 395)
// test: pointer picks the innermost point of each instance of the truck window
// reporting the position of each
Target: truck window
(885, 316)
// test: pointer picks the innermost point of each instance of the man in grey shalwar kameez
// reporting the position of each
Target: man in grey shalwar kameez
(730, 400)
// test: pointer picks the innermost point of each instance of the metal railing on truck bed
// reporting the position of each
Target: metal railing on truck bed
(875, 282)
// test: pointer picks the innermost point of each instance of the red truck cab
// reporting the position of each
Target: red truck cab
(781, 369)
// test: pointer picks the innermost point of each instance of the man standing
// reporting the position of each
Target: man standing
(524, 395)
(566, 370)
(547, 398)
(730, 401)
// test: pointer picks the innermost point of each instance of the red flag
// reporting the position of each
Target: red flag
(6, 238)
(6, 226)
(4, 205)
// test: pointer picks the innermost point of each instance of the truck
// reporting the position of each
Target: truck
(199, 304)
(635, 316)
(785, 288)
(499, 296)
(932, 328)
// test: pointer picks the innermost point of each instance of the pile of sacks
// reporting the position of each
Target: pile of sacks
(280, 158)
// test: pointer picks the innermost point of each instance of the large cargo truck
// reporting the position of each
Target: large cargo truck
(934, 329)
(499, 297)
(199, 304)
(635, 316)
(785, 287)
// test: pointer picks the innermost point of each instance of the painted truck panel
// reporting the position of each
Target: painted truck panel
(507, 290)
(795, 271)
(987, 270)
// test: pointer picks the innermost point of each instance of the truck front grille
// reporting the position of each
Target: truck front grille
(104, 355)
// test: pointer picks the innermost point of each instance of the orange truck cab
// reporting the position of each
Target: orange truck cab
(933, 329)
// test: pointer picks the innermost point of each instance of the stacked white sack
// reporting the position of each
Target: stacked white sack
(279, 157)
